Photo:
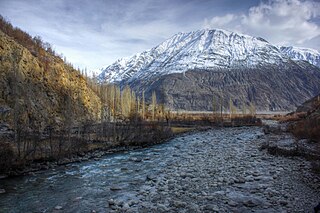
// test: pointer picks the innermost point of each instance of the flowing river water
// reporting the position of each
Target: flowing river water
(218, 170)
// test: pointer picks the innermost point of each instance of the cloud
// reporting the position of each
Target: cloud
(284, 22)
(219, 21)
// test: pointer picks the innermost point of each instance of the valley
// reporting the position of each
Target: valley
(197, 119)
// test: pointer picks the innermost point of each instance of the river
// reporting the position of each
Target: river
(218, 170)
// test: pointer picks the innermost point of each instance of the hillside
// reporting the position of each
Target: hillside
(306, 121)
(38, 89)
(189, 70)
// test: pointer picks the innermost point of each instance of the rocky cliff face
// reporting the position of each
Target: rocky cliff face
(189, 69)
(269, 89)
(41, 95)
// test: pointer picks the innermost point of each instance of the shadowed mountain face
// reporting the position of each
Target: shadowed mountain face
(270, 89)
(189, 70)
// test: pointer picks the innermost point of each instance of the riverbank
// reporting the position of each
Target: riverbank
(94, 154)
(218, 170)
(96, 142)
(279, 141)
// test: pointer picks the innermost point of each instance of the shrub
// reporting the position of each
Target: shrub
(306, 129)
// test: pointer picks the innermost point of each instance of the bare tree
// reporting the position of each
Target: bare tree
(232, 109)
(214, 107)
(143, 106)
(126, 102)
(244, 108)
(252, 109)
(154, 104)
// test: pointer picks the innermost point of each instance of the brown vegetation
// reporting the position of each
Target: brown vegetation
(307, 125)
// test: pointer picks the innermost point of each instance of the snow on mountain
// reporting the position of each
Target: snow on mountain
(299, 53)
(202, 49)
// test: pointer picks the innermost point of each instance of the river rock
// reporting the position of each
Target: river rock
(78, 198)
(134, 159)
(211, 208)
(115, 188)
(151, 177)
(58, 208)
(161, 208)
(246, 200)
(111, 202)
(179, 204)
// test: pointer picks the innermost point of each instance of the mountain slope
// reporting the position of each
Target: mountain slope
(203, 49)
(299, 53)
(189, 69)
(41, 94)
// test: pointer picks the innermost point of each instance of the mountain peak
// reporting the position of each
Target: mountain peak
(201, 49)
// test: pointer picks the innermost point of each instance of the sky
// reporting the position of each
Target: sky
(94, 33)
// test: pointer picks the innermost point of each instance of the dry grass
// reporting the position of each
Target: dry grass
(292, 117)
(179, 130)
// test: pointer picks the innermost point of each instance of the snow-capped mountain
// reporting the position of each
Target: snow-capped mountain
(203, 49)
(188, 69)
(299, 53)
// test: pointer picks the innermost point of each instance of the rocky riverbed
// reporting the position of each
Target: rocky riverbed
(219, 170)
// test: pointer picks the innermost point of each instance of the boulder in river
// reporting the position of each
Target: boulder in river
(151, 177)
(58, 208)
(115, 188)
(134, 159)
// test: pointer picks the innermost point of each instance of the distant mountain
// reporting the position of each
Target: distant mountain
(189, 69)
(299, 53)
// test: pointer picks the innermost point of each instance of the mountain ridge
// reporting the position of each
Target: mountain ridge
(302, 53)
(230, 49)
